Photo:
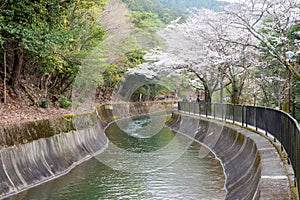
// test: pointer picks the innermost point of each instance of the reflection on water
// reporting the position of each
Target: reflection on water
(188, 177)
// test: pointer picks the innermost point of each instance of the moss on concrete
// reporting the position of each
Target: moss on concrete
(24, 132)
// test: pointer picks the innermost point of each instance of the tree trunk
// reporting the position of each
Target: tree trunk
(207, 91)
(207, 97)
(286, 101)
(5, 75)
(16, 73)
(45, 83)
(293, 105)
(221, 89)
(235, 99)
(292, 69)
(235, 94)
(267, 103)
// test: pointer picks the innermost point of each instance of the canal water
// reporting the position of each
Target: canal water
(137, 165)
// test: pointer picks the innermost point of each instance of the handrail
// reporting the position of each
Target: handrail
(282, 126)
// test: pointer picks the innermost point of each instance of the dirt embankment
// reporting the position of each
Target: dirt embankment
(18, 112)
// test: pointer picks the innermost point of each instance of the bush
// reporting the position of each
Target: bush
(44, 103)
(63, 102)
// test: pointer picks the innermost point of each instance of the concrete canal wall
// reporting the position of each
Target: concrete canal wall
(252, 165)
(38, 151)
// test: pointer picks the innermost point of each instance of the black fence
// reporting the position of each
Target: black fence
(279, 124)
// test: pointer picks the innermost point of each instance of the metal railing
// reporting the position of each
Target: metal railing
(279, 124)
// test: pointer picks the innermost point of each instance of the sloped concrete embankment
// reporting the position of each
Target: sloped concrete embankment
(246, 157)
(38, 151)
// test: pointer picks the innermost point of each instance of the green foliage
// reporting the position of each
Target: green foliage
(168, 10)
(296, 100)
(181, 6)
(83, 21)
(148, 6)
(149, 15)
(63, 102)
(114, 73)
(54, 34)
(38, 27)
(145, 20)
(148, 92)
(292, 33)
(44, 103)
(146, 24)
(135, 57)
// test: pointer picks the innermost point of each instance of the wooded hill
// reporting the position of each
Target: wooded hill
(43, 43)
(168, 10)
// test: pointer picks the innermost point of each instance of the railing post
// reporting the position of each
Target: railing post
(289, 138)
(222, 106)
(206, 109)
(266, 122)
(225, 116)
(242, 115)
(281, 130)
(296, 183)
(232, 113)
(256, 119)
(214, 111)
(246, 116)
(297, 157)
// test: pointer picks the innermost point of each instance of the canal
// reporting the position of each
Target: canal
(139, 164)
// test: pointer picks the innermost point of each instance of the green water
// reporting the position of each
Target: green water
(161, 169)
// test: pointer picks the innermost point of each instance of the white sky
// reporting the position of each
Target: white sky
(231, 1)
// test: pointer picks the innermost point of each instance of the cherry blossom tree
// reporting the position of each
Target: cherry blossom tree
(204, 43)
(275, 25)
(225, 49)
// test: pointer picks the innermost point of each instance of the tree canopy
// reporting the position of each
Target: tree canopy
(250, 50)
(241, 52)
(43, 39)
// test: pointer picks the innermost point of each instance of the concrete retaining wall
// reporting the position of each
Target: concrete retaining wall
(252, 165)
(38, 151)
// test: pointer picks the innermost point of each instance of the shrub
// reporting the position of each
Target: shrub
(63, 102)
(44, 103)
